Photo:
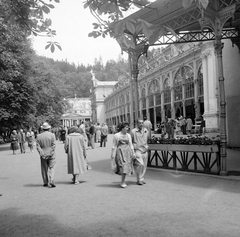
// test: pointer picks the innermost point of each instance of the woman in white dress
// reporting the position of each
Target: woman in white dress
(122, 153)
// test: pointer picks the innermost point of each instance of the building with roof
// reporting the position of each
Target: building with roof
(76, 110)
(100, 90)
(196, 75)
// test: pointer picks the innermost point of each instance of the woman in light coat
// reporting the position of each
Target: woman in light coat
(75, 148)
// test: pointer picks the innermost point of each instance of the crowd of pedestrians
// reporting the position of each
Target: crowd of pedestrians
(19, 139)
(77, 139)
(129, 153)
(170, 127)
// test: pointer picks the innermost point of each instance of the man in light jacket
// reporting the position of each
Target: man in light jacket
(46, 145)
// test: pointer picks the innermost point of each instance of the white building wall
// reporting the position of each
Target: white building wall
(211, 107)
(231, 64)
(102, 90)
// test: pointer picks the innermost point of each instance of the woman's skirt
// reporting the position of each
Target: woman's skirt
(30, 142)
(123, 158)
(14, 146)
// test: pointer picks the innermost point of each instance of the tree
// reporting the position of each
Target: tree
(15, 89)
(30, 16)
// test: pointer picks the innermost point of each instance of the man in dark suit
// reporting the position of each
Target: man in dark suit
(46, 145)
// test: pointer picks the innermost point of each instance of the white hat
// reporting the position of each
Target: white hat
(45, 126)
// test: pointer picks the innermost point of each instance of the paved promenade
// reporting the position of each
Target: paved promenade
(171, 204)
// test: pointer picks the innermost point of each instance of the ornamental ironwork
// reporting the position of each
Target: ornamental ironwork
(196, 36)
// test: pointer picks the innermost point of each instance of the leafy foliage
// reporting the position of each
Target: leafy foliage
(33, 88)
(189, 140)
(30, 16)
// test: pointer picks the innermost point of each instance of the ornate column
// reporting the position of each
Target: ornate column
(173, 113)
(139, 50)
(162, 106)
(147, 105)
(184, 108)
(222, 101)
(154, 111)
(140, 105)
(131, 97)
(196, 92)
(216, 22)
(183, 100)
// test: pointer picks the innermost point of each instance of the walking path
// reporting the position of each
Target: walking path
(170, 204)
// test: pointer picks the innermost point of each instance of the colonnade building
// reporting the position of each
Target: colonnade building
(182, 80)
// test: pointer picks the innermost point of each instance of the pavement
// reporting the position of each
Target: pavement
(170, 204)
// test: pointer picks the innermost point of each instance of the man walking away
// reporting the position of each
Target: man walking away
(22, 140)
(139, 140)
(104, 133)
(46, 145)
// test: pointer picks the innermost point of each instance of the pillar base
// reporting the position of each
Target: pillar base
(223, 173)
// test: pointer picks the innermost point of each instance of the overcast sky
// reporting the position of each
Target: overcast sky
(73, 23)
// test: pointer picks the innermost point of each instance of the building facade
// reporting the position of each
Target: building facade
(77, 110)
(183, 80)
(100, 90)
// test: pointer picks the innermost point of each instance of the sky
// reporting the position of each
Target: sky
(73, 23)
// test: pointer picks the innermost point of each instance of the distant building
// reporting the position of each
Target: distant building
(100, 90)
(77, 110)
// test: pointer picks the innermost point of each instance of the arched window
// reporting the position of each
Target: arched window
(200, 82)
(144, 98)
(167, 92)
(158, 94)
(153, 89)
(187, 74)
(177, 85)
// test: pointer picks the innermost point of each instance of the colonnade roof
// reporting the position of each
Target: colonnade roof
(172, 14)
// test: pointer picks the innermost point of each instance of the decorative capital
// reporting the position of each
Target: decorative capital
(206, 54)
(218, 46)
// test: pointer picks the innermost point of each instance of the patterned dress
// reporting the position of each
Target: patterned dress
(123, 156)
(14, 142)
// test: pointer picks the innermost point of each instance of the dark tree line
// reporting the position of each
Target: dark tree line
(32, 88)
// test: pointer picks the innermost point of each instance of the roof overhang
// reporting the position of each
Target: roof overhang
(172, 14)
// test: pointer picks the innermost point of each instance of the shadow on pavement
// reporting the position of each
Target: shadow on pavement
(179, 178)
(33, 185)
(132, 223)
(112, 185)
(5, 147)
(14, 223)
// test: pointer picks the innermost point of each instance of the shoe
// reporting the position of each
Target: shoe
(52, 185)
(89, 167)
(45, 185)
(140, 183)
(76, 182)
(143, 182)
(123, 185)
